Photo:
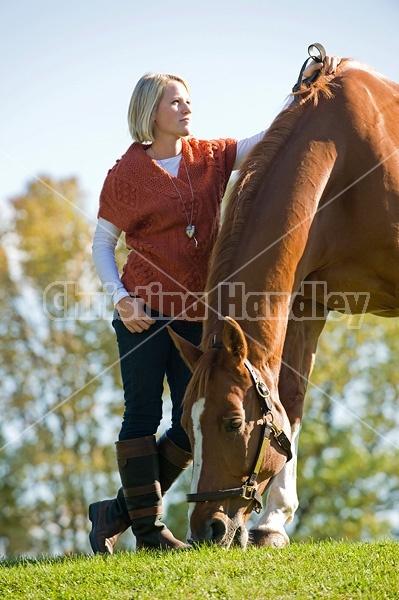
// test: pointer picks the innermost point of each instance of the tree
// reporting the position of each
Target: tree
(348, 477)
(60, 374)
(62, 398)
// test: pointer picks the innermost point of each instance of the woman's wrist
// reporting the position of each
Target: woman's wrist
(118, 295)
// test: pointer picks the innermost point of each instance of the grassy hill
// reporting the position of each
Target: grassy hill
(339, 570)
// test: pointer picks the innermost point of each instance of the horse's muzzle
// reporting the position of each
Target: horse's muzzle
(221, 530)
(209, 530)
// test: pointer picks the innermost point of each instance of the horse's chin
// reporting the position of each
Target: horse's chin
(236, 534)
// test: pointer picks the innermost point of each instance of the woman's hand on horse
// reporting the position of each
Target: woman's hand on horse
(330, 65)
(133, 315)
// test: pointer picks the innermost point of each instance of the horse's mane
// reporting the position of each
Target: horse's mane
(248, 182)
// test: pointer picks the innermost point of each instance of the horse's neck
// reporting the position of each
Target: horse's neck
(273, 242)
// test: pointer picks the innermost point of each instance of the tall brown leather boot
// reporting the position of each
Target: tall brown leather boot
(110, 518)
(138, 465)
(172, 461)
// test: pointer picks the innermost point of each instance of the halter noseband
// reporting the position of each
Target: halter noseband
(249, 490)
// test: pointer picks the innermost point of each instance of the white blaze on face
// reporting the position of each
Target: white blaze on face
(196, 413)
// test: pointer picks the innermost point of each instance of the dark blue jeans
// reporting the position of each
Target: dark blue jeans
(145, 359)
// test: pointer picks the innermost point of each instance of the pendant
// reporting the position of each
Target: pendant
(190, 231)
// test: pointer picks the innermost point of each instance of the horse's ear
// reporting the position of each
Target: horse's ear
(189, 352)
(234, 342)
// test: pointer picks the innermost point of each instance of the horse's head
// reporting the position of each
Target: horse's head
(234, 426)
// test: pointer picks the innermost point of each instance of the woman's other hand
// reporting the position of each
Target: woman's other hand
(133, 315)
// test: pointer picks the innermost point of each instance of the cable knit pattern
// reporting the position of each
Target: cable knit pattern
(164, 265)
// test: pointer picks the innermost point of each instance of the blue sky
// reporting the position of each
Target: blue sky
(68, 70)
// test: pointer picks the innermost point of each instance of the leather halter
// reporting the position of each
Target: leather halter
(249, 490)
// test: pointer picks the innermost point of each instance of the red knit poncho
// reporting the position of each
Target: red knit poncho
(164, 266)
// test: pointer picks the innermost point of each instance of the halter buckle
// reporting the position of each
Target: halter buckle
(248, 491)
(262, 389)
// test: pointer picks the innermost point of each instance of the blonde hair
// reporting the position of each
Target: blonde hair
(144, 102)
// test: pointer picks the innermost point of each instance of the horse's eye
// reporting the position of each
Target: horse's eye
(233, 424)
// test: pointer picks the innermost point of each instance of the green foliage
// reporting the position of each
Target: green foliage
(348, 478)
(326, 570)
(62, 402)
(58, 374)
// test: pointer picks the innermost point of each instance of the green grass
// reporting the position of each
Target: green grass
(303, 571)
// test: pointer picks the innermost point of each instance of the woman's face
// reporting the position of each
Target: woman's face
(173, 115)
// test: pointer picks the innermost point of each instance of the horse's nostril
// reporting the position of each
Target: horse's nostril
(218, 529)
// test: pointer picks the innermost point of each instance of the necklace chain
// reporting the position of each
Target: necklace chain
(190, 229)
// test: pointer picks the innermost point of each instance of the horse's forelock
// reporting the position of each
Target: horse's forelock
(200, 377)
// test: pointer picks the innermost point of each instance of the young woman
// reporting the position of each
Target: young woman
(165, 194)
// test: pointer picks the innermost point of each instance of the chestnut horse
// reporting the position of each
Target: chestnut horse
(312, 225)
